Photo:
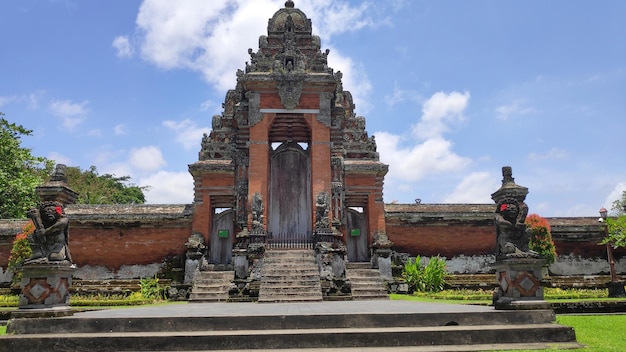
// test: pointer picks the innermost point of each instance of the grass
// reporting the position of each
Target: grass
(599, 333)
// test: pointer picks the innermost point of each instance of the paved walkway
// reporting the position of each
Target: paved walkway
(249, 309)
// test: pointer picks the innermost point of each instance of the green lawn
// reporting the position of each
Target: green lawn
(599, 333)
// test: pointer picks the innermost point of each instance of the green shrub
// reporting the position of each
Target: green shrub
(150, 289)
(428, 278)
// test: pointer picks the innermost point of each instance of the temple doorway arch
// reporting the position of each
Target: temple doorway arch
(221, 240)
(290, 209)
(356, 235)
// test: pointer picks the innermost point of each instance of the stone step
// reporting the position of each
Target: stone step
(287, 289)
(358, 265)
(211, 286)
(362, 273)
(290, 338)
(290, 276)
(366, 283)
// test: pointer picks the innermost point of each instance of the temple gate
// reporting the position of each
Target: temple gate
(288, 134)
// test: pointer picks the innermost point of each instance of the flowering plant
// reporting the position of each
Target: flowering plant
(21, 250)
(541, 237)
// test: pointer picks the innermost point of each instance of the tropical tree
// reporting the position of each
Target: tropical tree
(94, 188)
(619, 205)
(616, 228)
(20, 171)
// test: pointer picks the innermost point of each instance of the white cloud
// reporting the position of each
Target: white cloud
(439, 112)
(504, 112)
(616, 194)
(119, 130)
(7, 99)
(59, 158)
(415, 162)
(424, 151)
(335, 17)
(211, 37)
(71, 113)
(206, 105)
(168, 188)
(400, 95)
(123, 47)
(31, 100)
(146, 159)
(354, 80)
(552, 154)
(474, 188)
(187, 132)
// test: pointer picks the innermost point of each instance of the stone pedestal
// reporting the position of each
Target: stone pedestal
(520, 281)
(240, 261)
(45, 290)
(383, 263)
(616, 289)
(192, 266)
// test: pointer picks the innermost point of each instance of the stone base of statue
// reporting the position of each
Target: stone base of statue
(520, 284)
(616, 289)
(45, 290)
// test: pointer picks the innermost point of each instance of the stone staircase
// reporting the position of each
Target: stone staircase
(290, 276)
(360, 326)
(211, 286)
(367, 284)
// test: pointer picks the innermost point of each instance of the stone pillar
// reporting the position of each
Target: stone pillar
(45, 290)
(47, 274)
(520, 284)
(518, 269)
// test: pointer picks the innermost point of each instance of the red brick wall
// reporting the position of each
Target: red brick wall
(115, 246)
(437, 239)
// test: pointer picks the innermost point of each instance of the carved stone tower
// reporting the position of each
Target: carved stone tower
(288, 132)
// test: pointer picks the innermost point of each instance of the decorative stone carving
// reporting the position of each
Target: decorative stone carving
(518, 269)
(47, 274)
(50, 240)
(195, 246)
(322, 206)
(512, 235)
(257, 214)
(381, 241)
(289, 90)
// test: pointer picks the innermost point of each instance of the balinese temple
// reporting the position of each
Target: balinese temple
(287, 140)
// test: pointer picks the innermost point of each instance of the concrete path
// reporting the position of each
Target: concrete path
(263, 309)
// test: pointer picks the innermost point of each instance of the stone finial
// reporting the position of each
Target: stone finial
(509, 188)
(289, 4)
(57, 188)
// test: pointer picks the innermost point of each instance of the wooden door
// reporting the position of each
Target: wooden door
(221, 241)
(289, 212)
(356, 236)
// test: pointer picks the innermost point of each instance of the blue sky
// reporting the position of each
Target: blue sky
(452, 90)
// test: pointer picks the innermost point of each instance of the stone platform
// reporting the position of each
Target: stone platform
(355, 325)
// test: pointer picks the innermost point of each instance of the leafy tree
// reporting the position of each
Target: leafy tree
(619, 205)
(20, 171)
(616, 227)
(94, 188)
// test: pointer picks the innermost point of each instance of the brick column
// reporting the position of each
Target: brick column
(321, 175)
(258, 171)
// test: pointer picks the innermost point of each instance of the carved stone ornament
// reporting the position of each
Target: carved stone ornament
(290, 90)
